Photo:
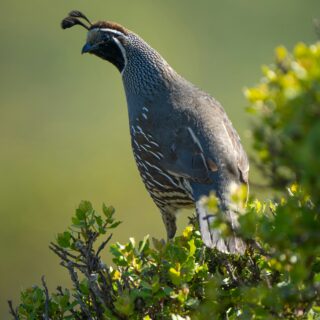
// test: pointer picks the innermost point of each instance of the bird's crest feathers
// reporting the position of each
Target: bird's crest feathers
(109, 25)
(74, 19)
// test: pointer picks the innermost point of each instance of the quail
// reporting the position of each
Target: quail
(183, 142)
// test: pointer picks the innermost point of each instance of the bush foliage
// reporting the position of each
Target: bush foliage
(277, 278)
(286, 104)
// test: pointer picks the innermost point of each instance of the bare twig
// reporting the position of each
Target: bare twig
(13, 311)
(95, 296)
(103, 244)
(74, 277)
(46, 306)
(55, 248)
(106, 289)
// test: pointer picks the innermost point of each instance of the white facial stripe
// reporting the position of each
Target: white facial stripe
(123, 51)
(119, 44)
(109, 30)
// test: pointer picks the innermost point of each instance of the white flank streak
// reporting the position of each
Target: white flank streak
(135, 142)
(162, 173)
(154, 181)
(154, 143)
(137, 157)
(123, 51)
(151, 185)
(145, 167)
(146, 136)
(139, 128)
(159, 184)
(148, 174)
(149, 151)
(145, 116)
(186, 185)
(154, 154)
(227, 133)
(145, 109)
(143, 148)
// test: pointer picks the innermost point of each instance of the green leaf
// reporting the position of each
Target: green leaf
(144, 244)
(192, 247)
(63, 239)
(85, 206)
(124, 304)
(108, 211)
(175, 275)
(114, 225)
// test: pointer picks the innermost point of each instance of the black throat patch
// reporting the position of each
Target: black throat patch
(111, 52)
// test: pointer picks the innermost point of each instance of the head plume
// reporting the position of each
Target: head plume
(73, 19)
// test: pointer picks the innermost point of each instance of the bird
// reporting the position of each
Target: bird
(183, 142)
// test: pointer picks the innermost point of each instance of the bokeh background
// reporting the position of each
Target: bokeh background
(63, 120)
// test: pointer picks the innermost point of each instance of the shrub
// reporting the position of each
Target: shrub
(286, 105)
(277, 278)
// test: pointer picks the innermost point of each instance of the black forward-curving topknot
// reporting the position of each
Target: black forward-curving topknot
(73, 20)
(79, 14)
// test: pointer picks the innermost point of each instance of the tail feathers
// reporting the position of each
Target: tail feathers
(212, 237)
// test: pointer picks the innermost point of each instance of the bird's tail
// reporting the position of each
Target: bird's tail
(212, 237)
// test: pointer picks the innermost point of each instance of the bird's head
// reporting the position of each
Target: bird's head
(104, 39)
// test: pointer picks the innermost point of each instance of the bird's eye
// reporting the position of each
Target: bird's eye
(106, 36)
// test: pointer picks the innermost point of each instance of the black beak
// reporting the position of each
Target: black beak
(87, 48)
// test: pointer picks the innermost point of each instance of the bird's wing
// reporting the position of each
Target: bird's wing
(199, 148)
(242, 162)
(186, 156)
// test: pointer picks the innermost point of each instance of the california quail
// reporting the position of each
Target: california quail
(183, 142)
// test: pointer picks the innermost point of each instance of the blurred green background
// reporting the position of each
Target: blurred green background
(63, 120)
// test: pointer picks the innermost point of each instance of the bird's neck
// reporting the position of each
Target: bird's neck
(146, 72)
